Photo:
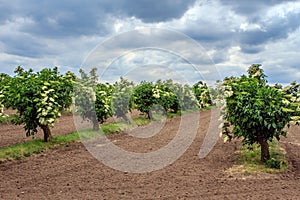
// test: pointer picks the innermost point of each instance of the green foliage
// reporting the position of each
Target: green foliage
(256, 110)
(159, 96)
(85, 96)
(8, 119)
(144, 98)
(187, 99)
(273, 163)
(103, 101)
(217, 94)
(165, 96)
(184, 94)
(91, 99)
(39, 98)
(172, 97)
(202, 94)
(121, 98)
(292, 101)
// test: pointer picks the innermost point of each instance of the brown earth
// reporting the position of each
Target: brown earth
(11, 134)
(72, 173)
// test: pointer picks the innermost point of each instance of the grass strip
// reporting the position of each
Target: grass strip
(37, 146)
(249, 161)
(117, 127)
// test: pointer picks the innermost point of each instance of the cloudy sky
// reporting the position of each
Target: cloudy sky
(156, 39)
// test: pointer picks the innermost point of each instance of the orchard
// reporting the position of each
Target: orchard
(255, 112)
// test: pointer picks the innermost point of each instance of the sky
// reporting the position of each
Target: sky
(147, 39)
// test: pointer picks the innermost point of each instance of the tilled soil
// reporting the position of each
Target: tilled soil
(12, 134)
(72, 173)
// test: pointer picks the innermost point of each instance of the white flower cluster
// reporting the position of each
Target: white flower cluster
(48, 110)
(1, 105)
(105, 101)
(1, 109)
(257, 74)
(228, 93)
(156, 92)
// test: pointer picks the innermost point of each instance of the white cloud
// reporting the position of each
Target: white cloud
(250, 27)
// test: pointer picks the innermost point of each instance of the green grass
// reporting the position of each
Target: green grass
(117, 127)
(184, 112)
(7, 119)
(250, 163)
(209, 108)
(37, 146)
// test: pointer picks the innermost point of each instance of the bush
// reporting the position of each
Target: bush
(273, 163)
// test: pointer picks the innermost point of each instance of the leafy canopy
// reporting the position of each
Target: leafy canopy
(258, 112)
(39, 98)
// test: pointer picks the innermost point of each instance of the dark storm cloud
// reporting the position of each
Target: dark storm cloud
(251, 49)
(249, 8)
(24, 46)
(276, 29)
(74, 17)
(57, 18)
(154, 11)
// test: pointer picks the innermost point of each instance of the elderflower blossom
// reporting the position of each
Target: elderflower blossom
(1, 109)
(156, 93)
(285, 101)
(257, 74)
(93, 97)
(228, 93)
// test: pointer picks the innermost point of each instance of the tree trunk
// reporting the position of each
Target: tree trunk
(264, 146)
(150, 116)
(164, 112)
(47, 133)
(95, 124)
(126, 119)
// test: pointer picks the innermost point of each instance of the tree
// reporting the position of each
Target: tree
(144, 98)
(165, 97)
(92, 99)
(202, 94)
(292, 100)
(217, 94)
(39, 98)
(148, 96)
(121, 98)
(4, 79)
(185, 97)
(103, 101)
(258, 112)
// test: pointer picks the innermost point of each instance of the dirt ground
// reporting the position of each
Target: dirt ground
(72, 173)
(11, 134)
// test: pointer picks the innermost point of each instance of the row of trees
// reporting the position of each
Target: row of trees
(256, 111)
(121, 97)
(40, 97)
